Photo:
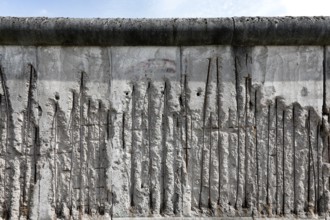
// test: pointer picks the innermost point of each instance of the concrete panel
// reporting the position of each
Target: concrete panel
(194, 132)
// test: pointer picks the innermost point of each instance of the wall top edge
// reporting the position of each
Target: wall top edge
(236, 31)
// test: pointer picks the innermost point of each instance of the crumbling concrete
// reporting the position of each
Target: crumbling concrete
(92, 131)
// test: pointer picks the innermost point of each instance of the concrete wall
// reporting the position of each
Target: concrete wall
(100, 132)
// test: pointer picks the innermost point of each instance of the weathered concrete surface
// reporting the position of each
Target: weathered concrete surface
(165, 32)
(164, 131)
(191, 132)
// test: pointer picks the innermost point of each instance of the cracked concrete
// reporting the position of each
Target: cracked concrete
(187, 132)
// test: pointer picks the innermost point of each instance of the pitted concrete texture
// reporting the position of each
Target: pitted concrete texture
(120, 119)
(193, 132)
(165, 32)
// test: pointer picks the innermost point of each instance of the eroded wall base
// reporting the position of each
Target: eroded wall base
(102, 132)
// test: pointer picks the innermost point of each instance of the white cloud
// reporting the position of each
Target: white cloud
(43, 12)
(216, 8)
(229, 8)
(170, 5)
(306, 8)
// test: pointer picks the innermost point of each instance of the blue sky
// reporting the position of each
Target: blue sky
(163, 8)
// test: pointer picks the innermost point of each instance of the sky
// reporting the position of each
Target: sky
(163, 8)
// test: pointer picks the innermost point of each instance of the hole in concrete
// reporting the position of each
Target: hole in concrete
(39, 111)
(101, 210)
(199, 92)
(57, 96)
(304, 91)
